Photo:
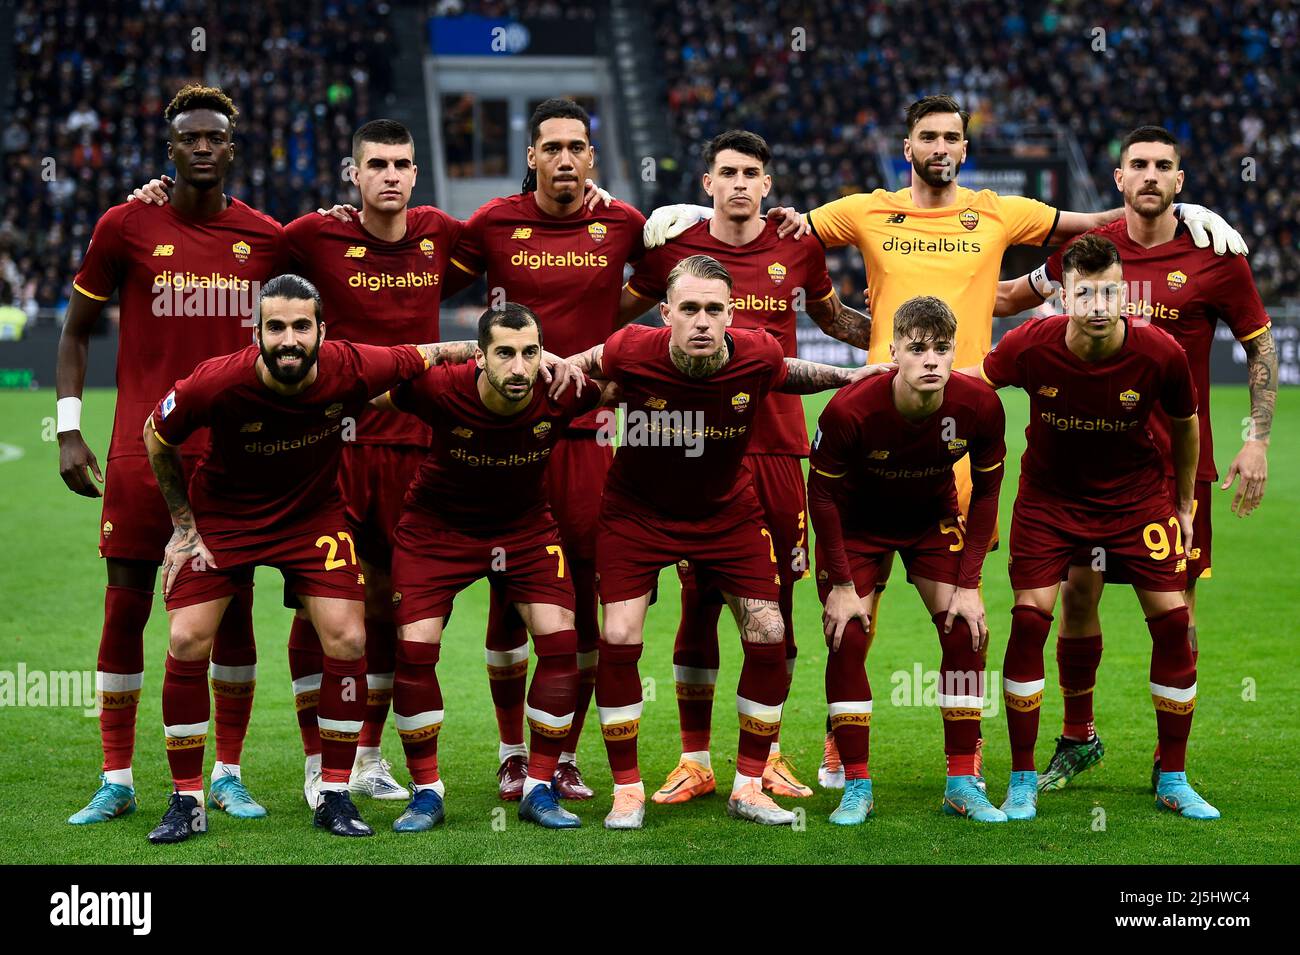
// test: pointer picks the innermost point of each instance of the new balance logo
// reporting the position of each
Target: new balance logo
(894, 218)
(1047, 391)
(164, 250)
(355, 252)
(251, 426)
(522, 233)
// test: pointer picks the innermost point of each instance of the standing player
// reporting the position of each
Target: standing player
(266, 492)
(1185, 291)
(892, 439)
(544, 248)
(679, 490)
(774, 279)
(1092, 476)
(186, 275)
(380, 275)
(478, 509)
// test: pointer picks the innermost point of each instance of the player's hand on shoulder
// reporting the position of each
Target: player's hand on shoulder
(791, 222)
(668, 222)
(559, 374)
(870, 371)
(156, 192)
(594, 196)
(1206, 226)
(842, 605)
(969, 605)
(343, 211)
(77, 463)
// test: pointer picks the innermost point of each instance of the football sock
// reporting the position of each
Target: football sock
(381, 657)
(848, 700)
(506, 653)
(551, 696)
(961, 694)
(306, 662)
(120, 673)
(1173, 686)
(185, 710)
(695, 666)
(339, 715)
(618, 705)
(1022, 681)
(417, 705)
(588, 628)
(233, 674)
(1077, 659)
(759, 698)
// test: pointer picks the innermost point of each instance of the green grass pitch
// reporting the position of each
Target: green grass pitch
(1241, 757)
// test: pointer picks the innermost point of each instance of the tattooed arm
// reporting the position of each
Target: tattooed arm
(448, 353)
(1251, 462)
(841, 322)
(588, 362)
(186, 544)
(808, 377)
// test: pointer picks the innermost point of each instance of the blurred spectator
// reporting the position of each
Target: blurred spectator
(12, 318)
(92, 79)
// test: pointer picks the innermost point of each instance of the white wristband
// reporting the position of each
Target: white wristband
(69, 414)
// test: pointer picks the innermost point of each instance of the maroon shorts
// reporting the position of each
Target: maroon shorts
(782, 494)
(1142, 543)
(315, 561)
(1198, 558)
(732, 550)
(134, 522)
(373, 479)
(432, 564)
(575, 478)
(934, 553)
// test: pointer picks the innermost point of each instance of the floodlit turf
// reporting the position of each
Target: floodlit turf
(1241, 758)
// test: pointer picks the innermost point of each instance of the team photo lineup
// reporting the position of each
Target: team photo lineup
(616, 449)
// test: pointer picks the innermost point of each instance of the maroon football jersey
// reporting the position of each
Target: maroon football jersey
(1185, 291)
(1088, 436)
(767, 276)
(378, 293)
(273, 460)
(896, 475)
(686, 437)
(569, 271)
(485, 472)
(186, 293)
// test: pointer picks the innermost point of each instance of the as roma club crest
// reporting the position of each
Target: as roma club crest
(1129, 399)
(776, 272)
(598, 231)
(969, 220)
(242, 250)
(1176, 279)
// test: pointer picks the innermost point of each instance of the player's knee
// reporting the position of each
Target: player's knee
(764, 632)
(620, 633)
(188, 642)
(343, 643)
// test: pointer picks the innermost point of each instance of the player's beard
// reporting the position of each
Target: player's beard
(936, 178)
(501, 386)
(698, 366)
(290, 376)
(1165, 202)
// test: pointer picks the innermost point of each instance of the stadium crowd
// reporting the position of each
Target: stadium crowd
(91, 80)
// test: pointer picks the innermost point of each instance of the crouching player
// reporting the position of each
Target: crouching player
(478, 508)
(881, 481)
(266, 492)
(678, 491)
(1092, 476)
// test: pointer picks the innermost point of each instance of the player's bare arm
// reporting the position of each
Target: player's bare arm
(809, 377)
(842, 323)
(185, 543)
(1185, 437)
(632, 306)
(1251, 462)
(588, 362)
(77, 462)
(1016, 296)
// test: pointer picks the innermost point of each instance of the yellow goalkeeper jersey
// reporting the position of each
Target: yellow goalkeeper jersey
(953, 252)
